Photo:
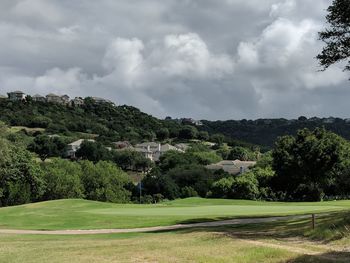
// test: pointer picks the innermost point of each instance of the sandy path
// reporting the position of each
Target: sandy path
(151, 229)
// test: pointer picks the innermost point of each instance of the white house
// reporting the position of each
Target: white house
(16, 95)
(39, 98)
(99, 100)
(232, 167)
(77, 102)
(53, 98)
(73, 147)
(153, 150)
(65, 99)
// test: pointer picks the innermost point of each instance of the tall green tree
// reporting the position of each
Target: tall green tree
(188, 132)
(336, 35)
(93, 151)
(105, 182)
(62, 179)
(46, 146)
(21, 179)
(306, 165)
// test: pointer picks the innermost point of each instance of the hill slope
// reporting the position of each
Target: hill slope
(106, 120)
(265, 131)
(113, 123)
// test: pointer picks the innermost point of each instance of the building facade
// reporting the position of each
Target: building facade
(16, 96)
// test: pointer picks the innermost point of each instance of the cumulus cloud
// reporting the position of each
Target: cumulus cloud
(199, 58)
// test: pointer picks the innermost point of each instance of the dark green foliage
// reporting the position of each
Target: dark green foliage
(203, 135)
(47, 147)
(242, 154)
(62, 179)
(245, 187)
(108, 121)
(306, 165)
(188, 191)
(188, 132)
(205, 158)
(157, 183)
(93, 151)
(172, 159)
(264, 132)
(131, 160)
(218, 138)
(222, 188)
(240, 187)
(197, 177)
(163, 134)
(21, 179)
(337, 35)
(223, 152)
(105, 182)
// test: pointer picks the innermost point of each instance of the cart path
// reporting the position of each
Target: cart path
(239, 221)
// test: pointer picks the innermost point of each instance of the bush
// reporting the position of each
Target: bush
(222, 188)
(63, 180)
(105, 182)
(245, 187)
(188, 191)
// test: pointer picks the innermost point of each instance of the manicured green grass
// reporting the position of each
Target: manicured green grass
(82, 214)
(274, 242)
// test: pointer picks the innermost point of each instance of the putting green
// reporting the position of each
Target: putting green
(83, 214)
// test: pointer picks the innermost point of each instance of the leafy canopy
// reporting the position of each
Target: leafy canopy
(337, 35)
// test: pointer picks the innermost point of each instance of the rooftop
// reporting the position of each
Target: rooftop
(17, 92)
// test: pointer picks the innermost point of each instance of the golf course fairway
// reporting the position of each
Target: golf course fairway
(83, 214)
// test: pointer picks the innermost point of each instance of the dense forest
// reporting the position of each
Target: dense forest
(264, 132)
(104, 119)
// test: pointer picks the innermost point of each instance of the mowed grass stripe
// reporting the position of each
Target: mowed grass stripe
(83, 214)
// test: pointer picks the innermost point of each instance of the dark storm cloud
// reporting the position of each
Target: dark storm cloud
(200, 58)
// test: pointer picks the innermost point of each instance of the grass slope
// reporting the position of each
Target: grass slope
(288, 241)
(83, 214)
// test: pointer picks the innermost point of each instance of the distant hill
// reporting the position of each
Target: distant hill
(264, 132)
(104, 119)
(112, 123)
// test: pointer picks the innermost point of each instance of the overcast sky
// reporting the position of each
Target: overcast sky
(206, 59)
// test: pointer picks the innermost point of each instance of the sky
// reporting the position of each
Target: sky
(205, 59)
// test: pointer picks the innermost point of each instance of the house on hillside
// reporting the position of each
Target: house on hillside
(16, 95)
(39, 98)
(65, 99)
(73, 147)
(146, 152)
(121, 145)
(235, 167)
(190, 121)
(53, 98)
(98, 100)
(153, 150)
(182, 146)
(77, 102)
(2, 97)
